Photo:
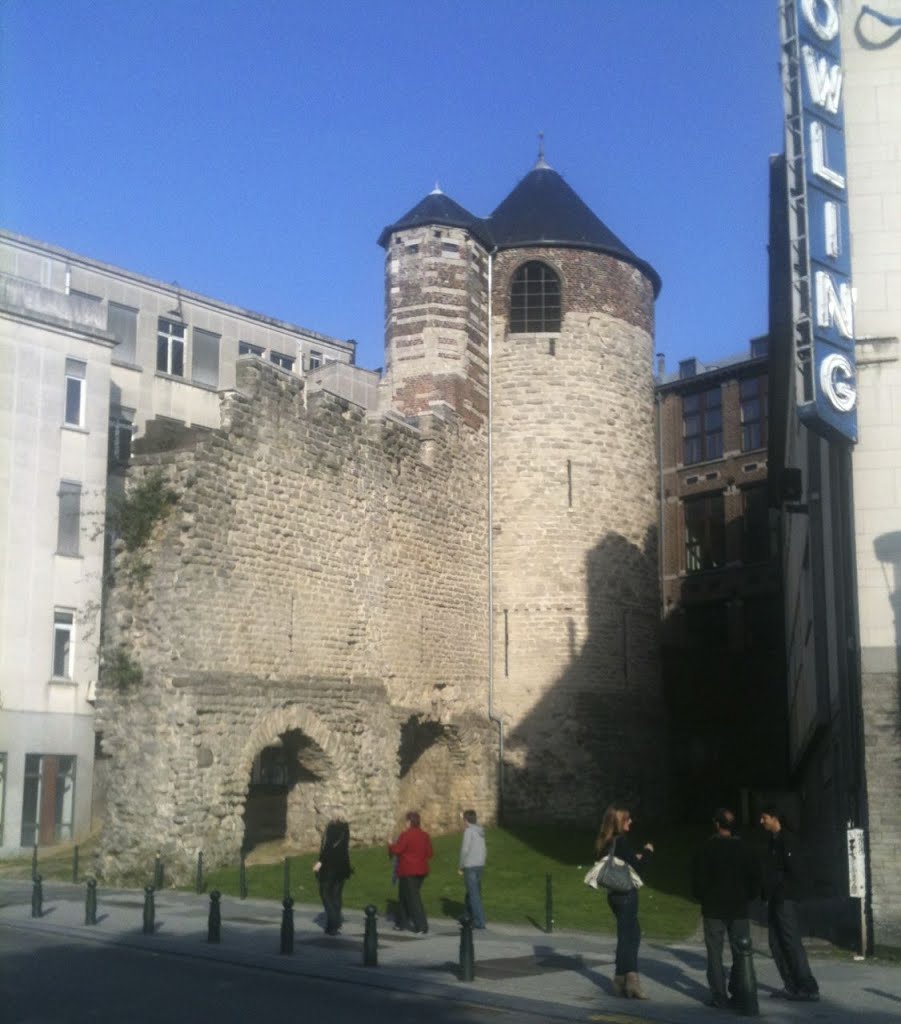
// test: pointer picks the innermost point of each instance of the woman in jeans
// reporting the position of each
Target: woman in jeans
(614, 830)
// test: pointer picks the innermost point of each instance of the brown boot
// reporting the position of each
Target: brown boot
(619, 984)
(633, 986)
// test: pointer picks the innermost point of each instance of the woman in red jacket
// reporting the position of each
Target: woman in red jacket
(413, 849)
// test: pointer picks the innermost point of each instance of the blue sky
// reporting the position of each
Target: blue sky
(253, 151)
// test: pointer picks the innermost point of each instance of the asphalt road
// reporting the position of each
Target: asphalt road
(45, 979)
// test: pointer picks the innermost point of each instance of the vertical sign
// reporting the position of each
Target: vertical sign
(857, 875)
(818, 200)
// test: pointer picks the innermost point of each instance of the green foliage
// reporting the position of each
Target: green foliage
(134, 514)
(119, 670)
(514, 882)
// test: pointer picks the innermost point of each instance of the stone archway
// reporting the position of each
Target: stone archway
(296, 770)
(432, 772)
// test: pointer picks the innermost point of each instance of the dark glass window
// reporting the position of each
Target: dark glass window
(170, 347)
(753, 396)
(245, 348)
(705, 533)
(702, 426)
(534, 299)
(280, 359)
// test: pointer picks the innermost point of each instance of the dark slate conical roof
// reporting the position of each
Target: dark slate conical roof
(437, 208)
(544, 210)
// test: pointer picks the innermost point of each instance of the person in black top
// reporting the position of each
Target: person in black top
(725, 877)
(333, 869)
(614, 827)
(782, 884)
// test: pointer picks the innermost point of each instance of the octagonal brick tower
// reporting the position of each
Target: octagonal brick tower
(574, 509)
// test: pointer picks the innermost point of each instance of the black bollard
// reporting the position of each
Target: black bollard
(199, 885)
(745, 996)
(34, 861)
(242, 879)
(287, 937)
(548, 904)
(90, 902)
(158, 872)
(149, 911)
(467, 954)
(286, 883)
(370, 938)
(37, 896)
(214, 927)
(75, 864)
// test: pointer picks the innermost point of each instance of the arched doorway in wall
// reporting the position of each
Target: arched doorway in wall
(432, 772)
(288, 780)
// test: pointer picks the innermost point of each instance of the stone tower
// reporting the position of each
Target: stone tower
(436, 311)
(574, 508)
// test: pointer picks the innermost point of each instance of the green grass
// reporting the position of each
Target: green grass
(514, 884)
(519, 859)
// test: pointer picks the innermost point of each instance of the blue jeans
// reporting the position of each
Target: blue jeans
(628, 931)
(472, 877)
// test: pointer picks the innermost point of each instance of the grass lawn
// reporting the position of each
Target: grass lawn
(514, 886)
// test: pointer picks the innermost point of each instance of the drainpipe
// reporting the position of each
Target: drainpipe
(492, 716)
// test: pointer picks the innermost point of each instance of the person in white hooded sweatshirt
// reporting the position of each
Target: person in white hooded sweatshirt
(472, 864)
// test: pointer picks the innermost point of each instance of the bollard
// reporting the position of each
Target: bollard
(34, 860)
(37, 896)
(75, 864)
(199, 885)
(370, 938)
(287, 937)
(548, 904)
(242, 879)
(214, 927)
(90, 902)
(745, 996)
(286, 883)
(158, 872)
(467, 954)
(149, 910)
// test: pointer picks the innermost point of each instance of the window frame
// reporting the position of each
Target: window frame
(63, 658)
(708, 442)
(76, 376)
(168, 342)
(282, 360)
(247, 348)
(535, 302)
(68, 520)
(758, 422)
(203, 342)
(126, 349)
(705, 548)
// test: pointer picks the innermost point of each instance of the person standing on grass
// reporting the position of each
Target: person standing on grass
(413, 850)
(333, 869)
(782, 884)
(725, 877)
(614, 829)
(472, 864)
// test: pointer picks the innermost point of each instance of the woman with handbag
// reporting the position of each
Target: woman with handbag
(612, 843)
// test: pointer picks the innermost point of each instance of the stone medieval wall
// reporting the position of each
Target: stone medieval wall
(320, 575)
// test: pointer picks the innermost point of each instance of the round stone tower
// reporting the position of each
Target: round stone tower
(574, 509)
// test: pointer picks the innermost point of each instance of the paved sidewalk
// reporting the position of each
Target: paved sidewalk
(564, 975)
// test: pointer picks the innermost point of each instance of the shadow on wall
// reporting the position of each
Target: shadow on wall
(599, 733)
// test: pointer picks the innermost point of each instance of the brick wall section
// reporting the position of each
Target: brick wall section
(575, 512)
(311, 556)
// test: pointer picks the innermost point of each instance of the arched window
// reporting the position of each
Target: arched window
(534, 299)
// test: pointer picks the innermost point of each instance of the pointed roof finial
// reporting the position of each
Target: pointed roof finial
(541, 164)
(436, 191)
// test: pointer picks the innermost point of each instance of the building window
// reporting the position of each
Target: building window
(705, 533)
(755, 524)
(246, 349)
(68, 532)
(702, 426)
(753, 396)
(280, 359)
(315, 360)
(122, 323)
(120, 433)
(205, 358)
(534, 299)
(63, 644)
(170, 347)
(75, 376)
(48, 799)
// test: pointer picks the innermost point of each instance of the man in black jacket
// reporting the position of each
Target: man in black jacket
(782, 889)
(725, 878)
